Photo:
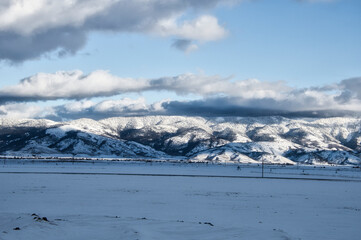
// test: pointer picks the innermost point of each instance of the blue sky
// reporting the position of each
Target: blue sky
(304, 44)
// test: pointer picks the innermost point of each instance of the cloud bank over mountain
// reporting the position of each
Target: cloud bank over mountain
(216, 95)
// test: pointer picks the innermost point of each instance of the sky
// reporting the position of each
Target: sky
(70, 59)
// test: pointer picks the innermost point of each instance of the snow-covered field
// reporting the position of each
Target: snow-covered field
(86, 200)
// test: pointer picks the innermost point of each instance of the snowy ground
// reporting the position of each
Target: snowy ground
(105, 205)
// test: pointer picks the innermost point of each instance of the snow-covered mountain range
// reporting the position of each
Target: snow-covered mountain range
(243, 139)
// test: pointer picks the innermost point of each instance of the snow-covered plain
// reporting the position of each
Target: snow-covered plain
(92, 201)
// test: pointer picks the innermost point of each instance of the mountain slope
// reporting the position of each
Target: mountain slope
(246, 139)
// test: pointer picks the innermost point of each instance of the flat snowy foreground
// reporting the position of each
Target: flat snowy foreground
(53, 205)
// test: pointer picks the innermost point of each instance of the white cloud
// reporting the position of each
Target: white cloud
(204, 28)
(107, 108)
(345, 95)
(125, 104)
(29, 29)
(26, 17)
(78, 106)
(22, 110)
(209, 86)
(75, 84)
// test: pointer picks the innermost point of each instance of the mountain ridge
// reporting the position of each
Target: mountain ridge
(273, 139)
